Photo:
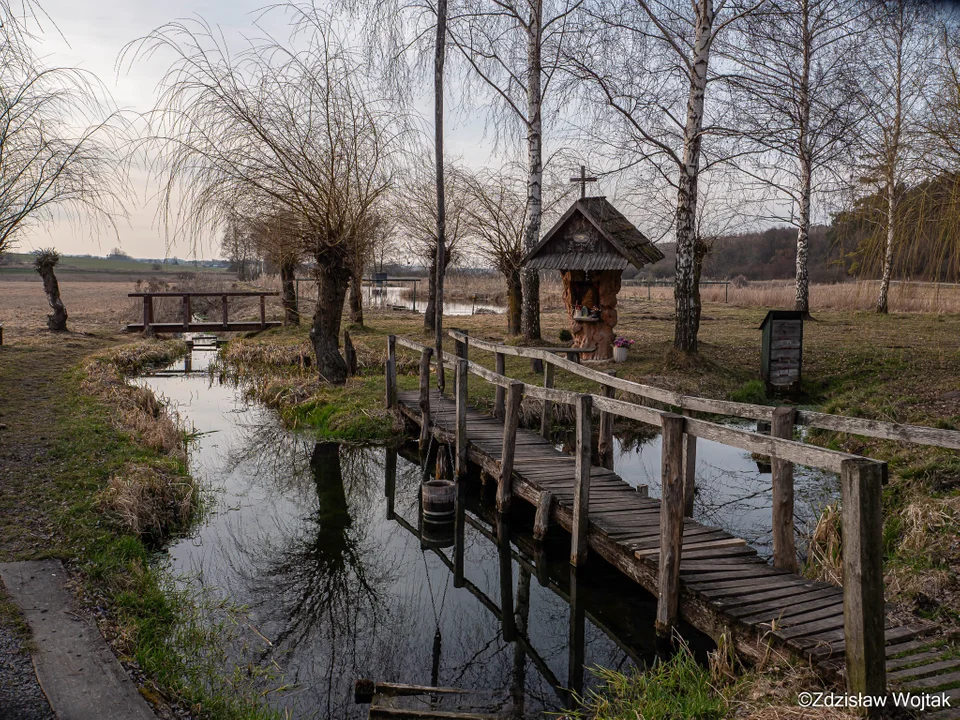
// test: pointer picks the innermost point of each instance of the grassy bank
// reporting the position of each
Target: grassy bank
(100, 481)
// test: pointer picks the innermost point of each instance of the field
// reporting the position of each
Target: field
(18, 265)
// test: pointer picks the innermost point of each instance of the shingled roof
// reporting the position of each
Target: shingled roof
(592, 235)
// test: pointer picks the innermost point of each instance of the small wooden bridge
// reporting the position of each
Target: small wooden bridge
(711, 578)
(189, 324)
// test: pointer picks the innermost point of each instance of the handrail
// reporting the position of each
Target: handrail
(917, 434)
(189, 293)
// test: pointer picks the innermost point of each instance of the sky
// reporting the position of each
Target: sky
(91, 36)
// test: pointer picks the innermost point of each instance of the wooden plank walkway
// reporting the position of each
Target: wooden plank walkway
(726, 589)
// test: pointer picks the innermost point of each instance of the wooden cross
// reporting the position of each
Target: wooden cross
(583, 180)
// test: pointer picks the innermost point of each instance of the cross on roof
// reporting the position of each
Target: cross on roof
(583, 180)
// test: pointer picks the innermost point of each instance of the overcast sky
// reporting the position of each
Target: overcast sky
(93, 35)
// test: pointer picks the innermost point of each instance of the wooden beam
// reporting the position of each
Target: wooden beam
(511, 422)
(460, 388)
(263, 311)
(784, 549)
(390, 479)
(391, 372)
(425, 397)
(187, 316)
(546, 413)
(224, 312)
(581, 482)
(689, 470)
(862, 531)
(605, 441)
(498, 401)
(541, 523)
(671, 523)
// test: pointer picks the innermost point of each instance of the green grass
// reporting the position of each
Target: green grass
(104, 264)
(671, 690)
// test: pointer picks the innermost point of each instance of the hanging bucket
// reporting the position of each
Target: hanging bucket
(438, 500)
(437, 535)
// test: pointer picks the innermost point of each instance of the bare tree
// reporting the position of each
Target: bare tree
(515, 47)
(370, 238)
(277, 237)
(239, 244)
(797, 93)
(290, 126)
(900, 61)
(649, 62)
(59, 142)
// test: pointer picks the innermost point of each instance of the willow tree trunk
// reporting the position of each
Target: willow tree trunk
(288, 277)
(356, 297)
(57, 320)
(440, 52)
(514, 302)
(686, 292)
(530, 321)
(332, 280)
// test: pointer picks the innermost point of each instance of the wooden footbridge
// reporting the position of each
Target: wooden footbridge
(711, 578)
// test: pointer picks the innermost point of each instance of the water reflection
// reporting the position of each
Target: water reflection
(322, 543)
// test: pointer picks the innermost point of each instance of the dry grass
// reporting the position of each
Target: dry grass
(148, 501)
(825, 555)
(856, 296)
(774, 696)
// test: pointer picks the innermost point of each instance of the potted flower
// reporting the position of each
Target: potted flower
(620, 347)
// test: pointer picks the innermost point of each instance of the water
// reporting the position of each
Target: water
(404, 297)
(338, 587)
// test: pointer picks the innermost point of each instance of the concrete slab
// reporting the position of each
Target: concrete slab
(81, 677)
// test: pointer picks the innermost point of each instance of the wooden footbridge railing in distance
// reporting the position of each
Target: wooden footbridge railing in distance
(711, 577)
(187, 323)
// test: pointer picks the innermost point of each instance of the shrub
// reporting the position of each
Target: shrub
(565, 335)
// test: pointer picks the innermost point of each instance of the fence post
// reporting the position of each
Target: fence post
(147, 314)
(461, 403)
(263, 312)
(391, 372)
(460, 351)
(546, 414)
(186, 312)
(689, 470)
(224, 312)
(863, 613)
(498, 402)
(425, 396)
(512, 420)
(506, 580)
(784, 549)
(671, 523)
(541, 522)
(390, 479)
(605, 441)
(581, 482)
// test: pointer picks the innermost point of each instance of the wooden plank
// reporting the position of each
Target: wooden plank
(605, 439)
(671, 524)
(460, 388)
(924, 670)
(784, 549)
(813, 629)
(581, 496)
(689, 470)
(787, 606)
(425, 397)
(932, 682)
(914, 659)
(765, 599)
(863, 607)
(505, 481)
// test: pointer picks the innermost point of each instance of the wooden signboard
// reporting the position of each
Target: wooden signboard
(782, 355)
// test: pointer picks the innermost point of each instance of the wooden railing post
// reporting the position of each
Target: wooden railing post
(546, 414)
(510, 424)
(186, 313)
(689, 470)
(224, 312)
(861, 482)
(541, 522)
(461, 404)
(784, 548)
(263, 312)
(390, 479)
(581, 482)
(498, 402)
(507, 619)
(605, 441)
(391, 372)
(425, 397)
(147, 314)
(671, 523)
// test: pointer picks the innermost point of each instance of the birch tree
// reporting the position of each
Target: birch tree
(648, 61)
(797, 93)
(895, 82)
(514, 48)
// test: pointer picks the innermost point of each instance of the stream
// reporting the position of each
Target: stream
(336, 584)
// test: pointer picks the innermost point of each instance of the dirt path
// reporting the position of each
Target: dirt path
(31, 403)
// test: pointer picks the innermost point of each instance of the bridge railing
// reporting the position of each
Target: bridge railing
(861, 478)
(188, 325)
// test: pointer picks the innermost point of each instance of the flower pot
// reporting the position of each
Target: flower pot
(620, 354)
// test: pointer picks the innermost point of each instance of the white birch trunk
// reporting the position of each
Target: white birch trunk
(687, 316)
(882, 300)
(439, 57)
(530, 316)
(802, 299)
